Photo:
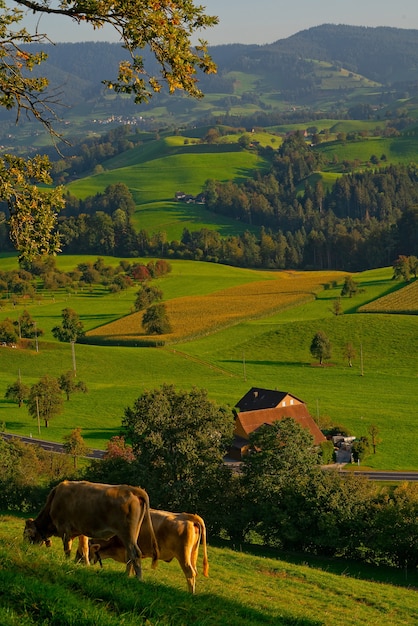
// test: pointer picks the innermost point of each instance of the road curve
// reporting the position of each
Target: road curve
(98, 454)
(51, 446)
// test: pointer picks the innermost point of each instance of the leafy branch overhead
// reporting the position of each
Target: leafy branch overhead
(165, 27)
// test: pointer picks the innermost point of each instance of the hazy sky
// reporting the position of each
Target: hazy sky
(265, 21)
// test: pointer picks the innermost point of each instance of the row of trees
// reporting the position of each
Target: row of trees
(44, 398)
(281, 494)
(366, 220)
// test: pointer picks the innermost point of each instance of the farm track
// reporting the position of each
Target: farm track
(196, 359)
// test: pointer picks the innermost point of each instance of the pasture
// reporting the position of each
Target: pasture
(268, 349)
(154, 171)
(251, 588)
(159, 167)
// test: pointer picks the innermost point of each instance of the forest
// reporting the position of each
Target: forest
(366, 219)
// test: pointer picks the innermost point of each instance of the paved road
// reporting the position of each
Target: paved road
(50, 445)
(400, 476)
(98, 454)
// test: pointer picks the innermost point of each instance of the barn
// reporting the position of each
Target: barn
(264, 406)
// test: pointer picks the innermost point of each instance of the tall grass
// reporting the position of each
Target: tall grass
(40, 587)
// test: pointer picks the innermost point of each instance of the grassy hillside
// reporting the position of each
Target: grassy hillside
(270, 351)
(242, 588)
(155, 171)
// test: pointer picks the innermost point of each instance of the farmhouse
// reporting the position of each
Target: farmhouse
(188, 198)
(264, 406)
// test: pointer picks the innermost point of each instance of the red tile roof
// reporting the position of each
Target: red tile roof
(248, 421)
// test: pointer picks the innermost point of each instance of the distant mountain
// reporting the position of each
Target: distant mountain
(328, 68)
(385, 55)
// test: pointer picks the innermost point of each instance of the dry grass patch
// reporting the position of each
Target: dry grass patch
(403, 300)
(194, 316)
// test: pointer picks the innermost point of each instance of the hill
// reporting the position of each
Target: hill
(329, 68)
(270, 350)
(242, 588)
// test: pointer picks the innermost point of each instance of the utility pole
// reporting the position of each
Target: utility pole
(37, 414)
(73, 353)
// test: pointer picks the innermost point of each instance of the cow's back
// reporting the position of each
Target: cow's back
(93, 509)
(175, 533)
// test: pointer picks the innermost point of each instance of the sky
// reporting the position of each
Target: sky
(262, 21)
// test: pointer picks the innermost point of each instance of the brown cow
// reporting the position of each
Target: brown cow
(178, 536)
(75, 508)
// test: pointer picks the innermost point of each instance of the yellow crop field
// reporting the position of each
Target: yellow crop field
(193, 316)
(403, 300)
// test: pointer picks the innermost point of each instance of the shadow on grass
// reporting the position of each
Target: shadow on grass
(335, 565)
(105, 433)
(159, 603)
(266, 363)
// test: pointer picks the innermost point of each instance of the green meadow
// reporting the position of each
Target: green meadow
(271, 352)
(251, 587)
(155, 171)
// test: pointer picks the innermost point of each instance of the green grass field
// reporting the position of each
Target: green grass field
(154, 172)
(271, 352)
(251, 588)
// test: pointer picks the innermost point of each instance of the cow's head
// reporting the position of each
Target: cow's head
(32, 534)
(94, 553)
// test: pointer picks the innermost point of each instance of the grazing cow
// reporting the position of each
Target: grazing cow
(81, 508)
(178, 536)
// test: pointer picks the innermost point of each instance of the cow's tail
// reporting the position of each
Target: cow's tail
(202, 527)
(155, 551)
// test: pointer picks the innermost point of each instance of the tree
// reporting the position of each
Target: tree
(8, 332)
(27, 326)
(117, 464)
(33, 210)
(374, 431)
(280, 459)
(179, 439)
(72, 327)
(337, 307)
(74, 445)
(360, 448)
(401, 268)
(320, 347)
(146, 295)
(166, 29)
(68, 384)
(17, 392)
(349, 353)
(349, 288)
(413, 265)
(45, 399)
(155, 320)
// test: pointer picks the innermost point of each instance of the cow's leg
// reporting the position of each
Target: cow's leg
(83, 550)
(190, 574)
(186, 564)
(67, 543)
(134, 560)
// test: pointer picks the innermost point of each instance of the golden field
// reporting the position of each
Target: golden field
(403, 300)
(193, 316)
